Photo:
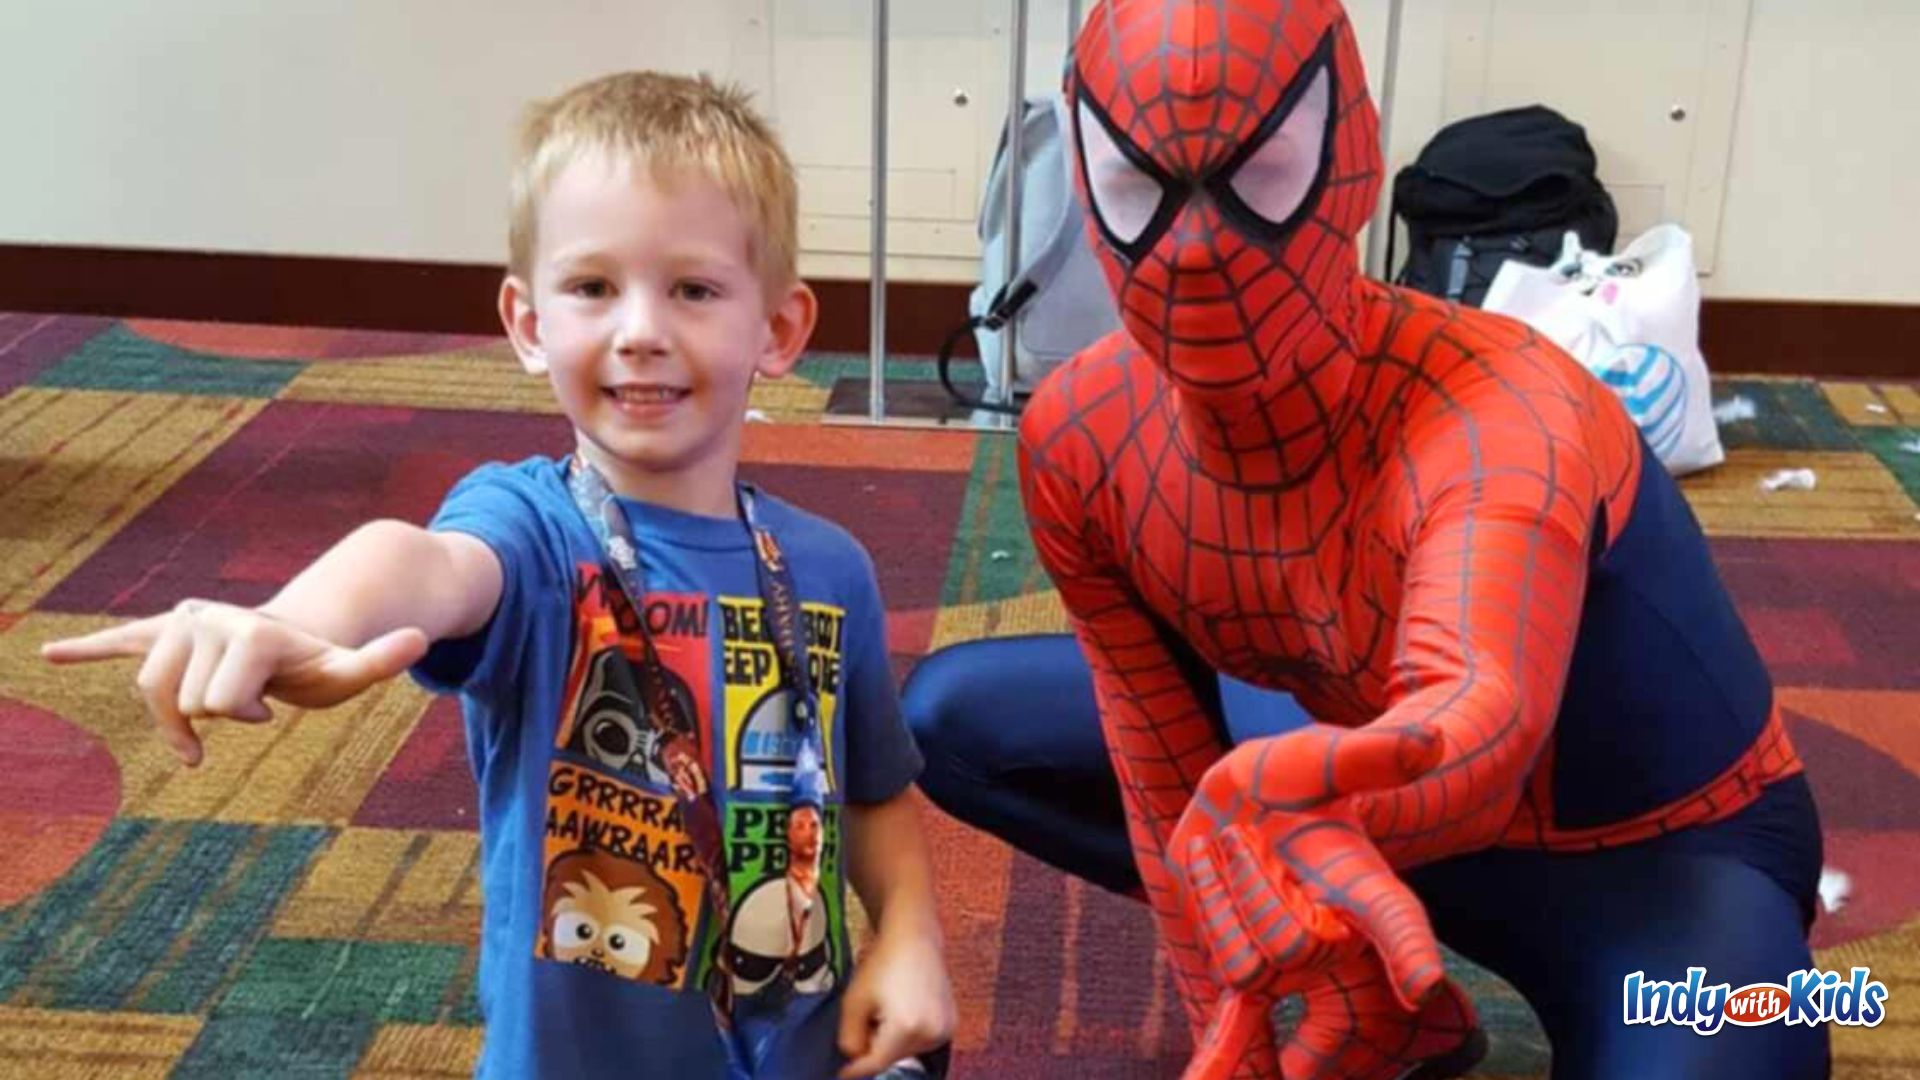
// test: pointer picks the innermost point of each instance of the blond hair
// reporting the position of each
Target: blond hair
(674, 126)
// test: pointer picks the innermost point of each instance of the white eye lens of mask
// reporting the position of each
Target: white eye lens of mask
(1276, 178)
(1124, 196)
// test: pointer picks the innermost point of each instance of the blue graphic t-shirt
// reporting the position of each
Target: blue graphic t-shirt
(597, 940)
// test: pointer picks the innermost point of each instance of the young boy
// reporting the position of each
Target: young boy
(677, 696)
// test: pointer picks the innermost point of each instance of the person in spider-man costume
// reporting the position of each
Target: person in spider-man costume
(1538, 730)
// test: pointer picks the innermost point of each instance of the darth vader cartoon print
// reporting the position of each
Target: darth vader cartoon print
(610, 727)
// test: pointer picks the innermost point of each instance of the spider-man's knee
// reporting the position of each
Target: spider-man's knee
(987, 709)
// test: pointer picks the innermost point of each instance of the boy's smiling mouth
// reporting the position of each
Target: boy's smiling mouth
(644, 395)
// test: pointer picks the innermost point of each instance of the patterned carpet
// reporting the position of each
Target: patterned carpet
(306, 904)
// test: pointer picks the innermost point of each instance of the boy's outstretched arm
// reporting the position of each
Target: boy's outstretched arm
(360, 614)
(899, 1002)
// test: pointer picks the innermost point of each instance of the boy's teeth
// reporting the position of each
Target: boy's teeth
(646, 394)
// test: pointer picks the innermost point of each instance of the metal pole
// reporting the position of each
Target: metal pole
(1073, 22)
(1383, 221)
(1016, 115)
(877, 275)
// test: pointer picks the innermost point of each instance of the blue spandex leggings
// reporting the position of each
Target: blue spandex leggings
(1013, 746)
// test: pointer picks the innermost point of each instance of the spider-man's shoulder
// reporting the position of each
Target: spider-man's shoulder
(1091, 402)
(1472, 394)
(1455, 355)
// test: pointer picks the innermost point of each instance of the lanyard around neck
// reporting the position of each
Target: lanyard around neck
(678, 734)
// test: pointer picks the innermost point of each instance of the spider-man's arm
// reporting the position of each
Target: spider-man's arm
(1501, 502)
(1290, 848)
(1162, 741)
(1498, 496)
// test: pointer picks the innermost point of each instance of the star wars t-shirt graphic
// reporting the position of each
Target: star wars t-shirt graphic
(788, 931)
(609, 728)
(623, 885)
(614, 915)
(761, 746)
(622, 881)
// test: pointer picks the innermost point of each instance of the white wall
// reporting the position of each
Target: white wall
(380, 128)
(377, 128)
(1825, 172)
(1812, 163)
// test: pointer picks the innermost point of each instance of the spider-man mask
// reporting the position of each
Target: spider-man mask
(1230, 155)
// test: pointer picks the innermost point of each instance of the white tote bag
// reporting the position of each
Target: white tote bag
(1633, 319)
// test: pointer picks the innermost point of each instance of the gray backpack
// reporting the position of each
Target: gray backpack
(1059, 301)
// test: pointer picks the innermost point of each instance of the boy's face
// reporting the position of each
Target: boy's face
(647, 313)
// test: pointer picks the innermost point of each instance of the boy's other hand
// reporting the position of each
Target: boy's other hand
(205, 659)
(899, 1004)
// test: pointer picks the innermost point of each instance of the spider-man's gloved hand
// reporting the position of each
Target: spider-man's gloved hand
(1290, 895)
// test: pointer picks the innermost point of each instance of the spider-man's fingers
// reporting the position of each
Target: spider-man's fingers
(1204, 872)
(1286, 927)
(1380, 906)
(1377, 757)
(1238, 1042)
(1305, 769)
(1341, 877)
(1258, 924)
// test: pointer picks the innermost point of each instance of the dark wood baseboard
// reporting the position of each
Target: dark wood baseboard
(289, 290)
(378, 294)
(1756, 336)
(1790, 337)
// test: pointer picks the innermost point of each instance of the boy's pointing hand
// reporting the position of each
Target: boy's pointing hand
(206, 659)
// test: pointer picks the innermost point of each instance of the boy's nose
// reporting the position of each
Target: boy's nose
(640, 330)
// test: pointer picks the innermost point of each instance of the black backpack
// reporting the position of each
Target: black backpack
(1507, 185)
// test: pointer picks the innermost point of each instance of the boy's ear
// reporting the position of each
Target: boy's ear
(790, 324)
(522, 324)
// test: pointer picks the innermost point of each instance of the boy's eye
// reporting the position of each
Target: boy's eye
(696, 291)
(591, 289)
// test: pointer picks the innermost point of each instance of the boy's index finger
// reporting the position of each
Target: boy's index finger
(114, 642)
